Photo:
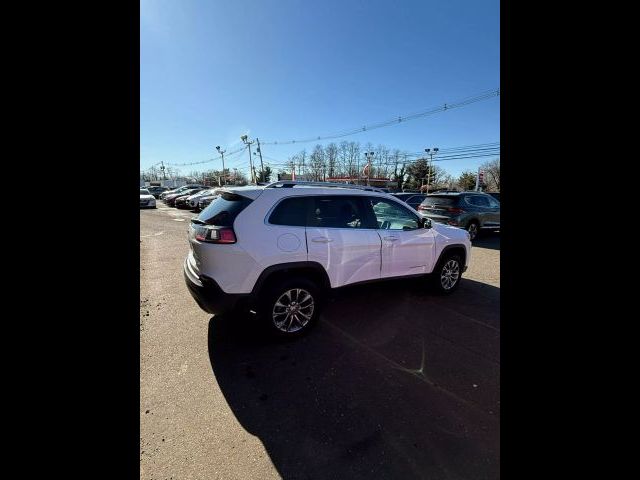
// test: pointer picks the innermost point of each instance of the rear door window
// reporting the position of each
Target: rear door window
(336, 212)
(291, 211)
(223, 210)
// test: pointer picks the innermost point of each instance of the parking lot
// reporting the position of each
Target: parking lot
(395, 381)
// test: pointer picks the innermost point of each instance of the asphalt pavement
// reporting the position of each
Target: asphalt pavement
(394, 382)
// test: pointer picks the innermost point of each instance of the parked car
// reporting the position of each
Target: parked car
(171, 199)
(156, 191)
(183, 201)
(146, 199)
(181, 189)
(279, 251)
(205, 201)
(473, 211)
(411, 199)
(193, 200)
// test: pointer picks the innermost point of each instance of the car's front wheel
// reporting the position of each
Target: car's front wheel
(291, 308)
(448, 273)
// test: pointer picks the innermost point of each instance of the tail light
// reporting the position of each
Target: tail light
(455, 210)
(215, 234)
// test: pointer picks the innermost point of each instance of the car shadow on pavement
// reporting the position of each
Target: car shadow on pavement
(489, 240)
(394, 382)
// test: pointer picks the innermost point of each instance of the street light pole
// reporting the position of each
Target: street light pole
(431, 153)
(222, 152)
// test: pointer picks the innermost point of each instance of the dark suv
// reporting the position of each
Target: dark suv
(411, 199)
(156, 191)
(472, 211)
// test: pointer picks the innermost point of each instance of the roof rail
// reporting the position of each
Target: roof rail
(293, 183)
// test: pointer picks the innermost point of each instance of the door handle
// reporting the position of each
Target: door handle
(391, 239)
(321, 240)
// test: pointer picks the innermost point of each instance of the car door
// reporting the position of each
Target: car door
(407, 247)
(494, 206)
(338, 239)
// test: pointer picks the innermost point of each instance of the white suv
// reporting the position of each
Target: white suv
(277, 250)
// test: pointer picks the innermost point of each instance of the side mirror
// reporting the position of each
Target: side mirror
(426, 223)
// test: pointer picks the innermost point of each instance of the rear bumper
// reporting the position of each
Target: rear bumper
(208, 294)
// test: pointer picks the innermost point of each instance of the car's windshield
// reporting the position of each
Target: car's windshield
(144, 191)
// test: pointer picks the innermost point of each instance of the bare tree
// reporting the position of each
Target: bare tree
(239, 178)
(492, 175)
(382, 159)
(448, 181)
(438, 175)
(331, 153)
(400, 165)
(353, 159)
(316, 163)
(302, 158)
(343, 158)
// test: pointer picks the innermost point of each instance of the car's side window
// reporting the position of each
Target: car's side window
(391, 216)
(482, 201)
(336, 212)
(493, 203)
(290, 211)
(477, 201)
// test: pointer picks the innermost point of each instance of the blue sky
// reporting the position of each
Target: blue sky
(212, 70)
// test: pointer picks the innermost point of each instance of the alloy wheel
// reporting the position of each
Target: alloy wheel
(293, 310)
(449, 274)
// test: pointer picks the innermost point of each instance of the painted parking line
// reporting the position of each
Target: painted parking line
(151, 235)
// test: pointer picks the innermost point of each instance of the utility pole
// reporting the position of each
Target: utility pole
(224, 175)
(164, 176)
(261, 167)
(244, 138)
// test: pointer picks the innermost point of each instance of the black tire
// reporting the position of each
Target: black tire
(276, 319)
(445, 269)
(474, 229)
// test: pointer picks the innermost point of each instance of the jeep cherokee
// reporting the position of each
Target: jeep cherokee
(278, 249)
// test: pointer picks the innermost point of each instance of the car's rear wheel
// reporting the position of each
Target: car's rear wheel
(474, 229)
(447, 274)
(291, 308)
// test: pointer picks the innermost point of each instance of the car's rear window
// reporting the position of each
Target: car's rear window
(223, 210)
(436, 200)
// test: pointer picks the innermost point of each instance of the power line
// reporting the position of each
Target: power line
(452, 153)
(399, 119)
(228, 155)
